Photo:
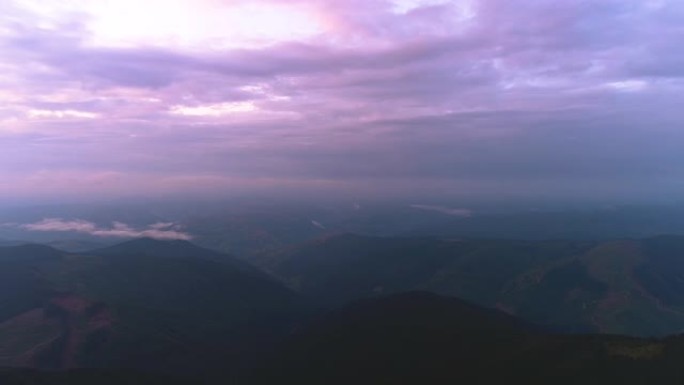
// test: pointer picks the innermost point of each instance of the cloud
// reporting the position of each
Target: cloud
(163, 226)
(530, 97)
(465, 213)
(162, 231)
(56, 224)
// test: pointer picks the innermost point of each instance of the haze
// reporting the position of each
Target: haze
(488, 99)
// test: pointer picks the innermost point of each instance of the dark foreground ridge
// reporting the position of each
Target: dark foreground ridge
(423, 338)
(88, 377)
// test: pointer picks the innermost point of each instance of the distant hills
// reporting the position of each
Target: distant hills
(584, 223)
(246, 226)
(260, 227)
(625, 286)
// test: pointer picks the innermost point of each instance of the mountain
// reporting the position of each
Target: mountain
(77, 245)
(245, 226)
(20, 287)
(153, 247)
(88, 377)
(422, 338)
(142, 304)
(251, 226)
(172, 307)
(624, 286)
(175, 249)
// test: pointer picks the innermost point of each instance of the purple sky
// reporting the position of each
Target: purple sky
(483, 98)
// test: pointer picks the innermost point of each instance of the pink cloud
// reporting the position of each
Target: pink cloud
(162, 231)
(479, 92)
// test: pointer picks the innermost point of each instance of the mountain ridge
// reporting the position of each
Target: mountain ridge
(627, 286)
(424, 338)
(141, 304)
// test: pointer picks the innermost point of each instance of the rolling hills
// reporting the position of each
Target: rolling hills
(625, 286)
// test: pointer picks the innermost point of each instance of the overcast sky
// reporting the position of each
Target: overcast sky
(483, 98)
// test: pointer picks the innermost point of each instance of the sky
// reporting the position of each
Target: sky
(499, 99)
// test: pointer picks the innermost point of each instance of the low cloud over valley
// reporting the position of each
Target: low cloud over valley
(160, 230)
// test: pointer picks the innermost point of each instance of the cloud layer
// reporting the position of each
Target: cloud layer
(161, 231)
(479, 98)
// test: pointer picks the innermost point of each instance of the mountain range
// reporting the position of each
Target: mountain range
(345, 309)
(630, 286)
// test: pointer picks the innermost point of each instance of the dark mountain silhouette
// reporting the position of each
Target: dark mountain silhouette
(89, 377)
(142, 304)
(422, 338)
